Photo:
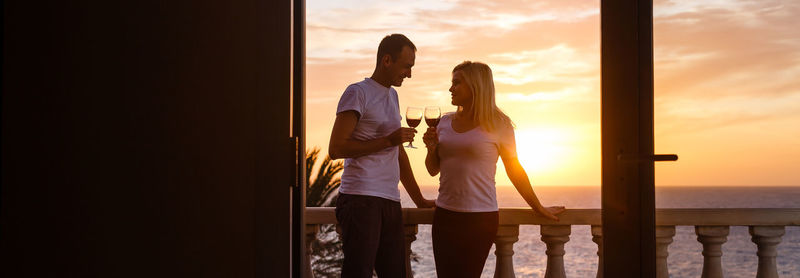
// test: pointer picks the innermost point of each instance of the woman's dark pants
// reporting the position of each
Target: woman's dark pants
(461, 241)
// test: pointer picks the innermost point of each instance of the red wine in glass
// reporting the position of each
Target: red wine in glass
(432, 122)
(414, 122)
(432, 116)
(413, 118)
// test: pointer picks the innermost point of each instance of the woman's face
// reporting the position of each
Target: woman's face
(460, 93)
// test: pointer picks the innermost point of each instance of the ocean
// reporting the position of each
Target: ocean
(685, 259)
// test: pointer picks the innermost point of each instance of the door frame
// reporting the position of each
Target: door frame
(628, 186)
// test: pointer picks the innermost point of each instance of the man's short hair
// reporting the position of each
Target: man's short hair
(393, 45)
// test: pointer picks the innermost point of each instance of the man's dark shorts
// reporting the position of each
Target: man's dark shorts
(372, 236)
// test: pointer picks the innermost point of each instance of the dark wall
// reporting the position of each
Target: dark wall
(143, 139)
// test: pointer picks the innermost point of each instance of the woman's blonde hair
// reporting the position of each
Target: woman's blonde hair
(478, 77)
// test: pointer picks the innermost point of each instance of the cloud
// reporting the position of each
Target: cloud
(349, 29)
(725, 65)
(352, 29)
(540, 95)
(557, 63)
(687, 115)
(730, 49)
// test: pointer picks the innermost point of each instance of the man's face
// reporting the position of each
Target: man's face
(401, 68)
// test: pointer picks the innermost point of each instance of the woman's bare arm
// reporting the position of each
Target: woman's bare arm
(522, 183)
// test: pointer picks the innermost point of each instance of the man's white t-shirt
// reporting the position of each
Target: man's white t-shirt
(467, 164)
(376, 174)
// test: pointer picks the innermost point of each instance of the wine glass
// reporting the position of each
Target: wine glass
(432, 116)
(413, 118)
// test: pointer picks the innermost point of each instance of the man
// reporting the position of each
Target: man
(367, 133)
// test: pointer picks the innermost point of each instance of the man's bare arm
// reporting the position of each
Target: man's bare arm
(410, 183)
(342, 145)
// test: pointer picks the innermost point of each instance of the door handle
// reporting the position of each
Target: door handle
(647, 157)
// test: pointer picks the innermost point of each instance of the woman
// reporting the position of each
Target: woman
(464, 148)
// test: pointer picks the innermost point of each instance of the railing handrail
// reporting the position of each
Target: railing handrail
(664, 216)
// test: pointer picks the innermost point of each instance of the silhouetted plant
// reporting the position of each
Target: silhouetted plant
(321, 191)
(322, 187)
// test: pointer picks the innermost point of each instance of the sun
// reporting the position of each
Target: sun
(541, 149)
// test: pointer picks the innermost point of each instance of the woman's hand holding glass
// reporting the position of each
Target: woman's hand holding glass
(431, 138)
(432, 116)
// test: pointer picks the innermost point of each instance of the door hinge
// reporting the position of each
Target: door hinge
(294, 146)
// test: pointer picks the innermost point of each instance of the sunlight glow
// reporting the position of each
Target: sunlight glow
(541, 149)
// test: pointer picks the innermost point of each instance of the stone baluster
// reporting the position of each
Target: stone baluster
(767, 239)
(712, 238)
(411, 236)
(597, 237)
(507, 235)
(664, 236)
(555, 237)
(311, 236)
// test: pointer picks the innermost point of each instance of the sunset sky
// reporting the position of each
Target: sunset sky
(727, 80)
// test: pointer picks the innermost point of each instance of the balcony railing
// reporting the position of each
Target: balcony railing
(766, 227)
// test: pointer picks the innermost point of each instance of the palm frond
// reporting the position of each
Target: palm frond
(323, 184)
(321, 188)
